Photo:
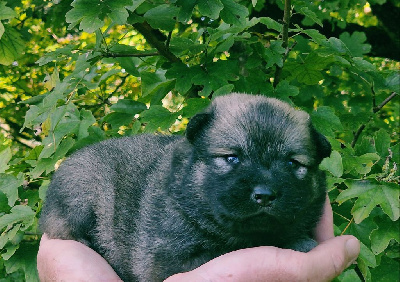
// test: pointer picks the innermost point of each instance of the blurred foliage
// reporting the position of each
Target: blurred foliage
(77, 72)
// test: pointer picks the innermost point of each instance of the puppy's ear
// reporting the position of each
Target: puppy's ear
(197, 125)
(322, 144)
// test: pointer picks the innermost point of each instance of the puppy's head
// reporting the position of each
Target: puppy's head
(256, 161)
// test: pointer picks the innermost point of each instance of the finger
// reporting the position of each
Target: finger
(330, 258)
(324, 229)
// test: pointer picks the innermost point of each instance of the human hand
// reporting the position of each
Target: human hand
(323, 263)
(68, 260)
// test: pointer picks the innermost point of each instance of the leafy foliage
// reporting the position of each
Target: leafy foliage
(77, 72)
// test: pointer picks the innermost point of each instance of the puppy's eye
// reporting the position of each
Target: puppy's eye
(232, 159)
(293, 164)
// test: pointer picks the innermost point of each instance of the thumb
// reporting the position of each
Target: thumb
(330, 258)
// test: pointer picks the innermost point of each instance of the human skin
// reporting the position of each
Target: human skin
(67, 260)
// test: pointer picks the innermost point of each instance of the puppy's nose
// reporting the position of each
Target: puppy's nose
(263, 195)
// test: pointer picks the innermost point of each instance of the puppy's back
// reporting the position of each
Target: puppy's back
(80, 199)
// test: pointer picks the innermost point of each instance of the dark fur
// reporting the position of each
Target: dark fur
(157, 205)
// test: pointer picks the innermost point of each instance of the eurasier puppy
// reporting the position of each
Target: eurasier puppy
(246, 174)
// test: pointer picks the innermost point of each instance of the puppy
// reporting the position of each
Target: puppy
(246, 174)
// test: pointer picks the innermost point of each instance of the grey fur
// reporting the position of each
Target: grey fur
(157, 205)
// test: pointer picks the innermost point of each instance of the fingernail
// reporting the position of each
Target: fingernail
(353, 249)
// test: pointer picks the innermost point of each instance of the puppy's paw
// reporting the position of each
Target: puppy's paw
(304, 245)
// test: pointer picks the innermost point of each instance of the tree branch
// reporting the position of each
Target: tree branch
(375, 110)
(148, 32)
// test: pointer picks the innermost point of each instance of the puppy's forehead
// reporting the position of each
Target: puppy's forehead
(259, 123)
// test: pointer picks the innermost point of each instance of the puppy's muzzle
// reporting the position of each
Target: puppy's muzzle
(263, 195)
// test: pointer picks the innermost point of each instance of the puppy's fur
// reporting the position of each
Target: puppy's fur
(245, 175)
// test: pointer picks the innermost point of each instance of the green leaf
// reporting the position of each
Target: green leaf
(95, 135)
(363, 65)
(226, 89)
(24, 259)
(186, 10)
(43, 189)
(90, 13)
(388, 270)
(9, 185)
(284, 90)
(316, 36)
(162, 17)
(393, 82)
(271, 24)
(274, 54)
(87, 14)
(117, 119)
(382, 142)
(216, 76)
(11, 46)
(129, 64)
(367, 256)
(183, 75)
(158, 117)
(5, 157)
(18, 214)
(181, 46)
(135, 4)
(87, 119)
(334, 46)
(333, 164)
(361, 164)
(64, 120)
(386, 231)
(349, 275)
(210, 8)
(233, 13)
(311, 15)
(6, 13)
(371, 194)
(325, 121)
(362, 230)
(311, 71)
(2, 29)
(153, 82)
(355, 43)
(10, 251)
(60, 54)
(194, 106)
(128, 106)
(48, 164)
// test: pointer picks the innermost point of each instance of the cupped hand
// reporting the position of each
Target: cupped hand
(67, 260)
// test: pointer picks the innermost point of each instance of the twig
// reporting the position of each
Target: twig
(118, 55)
(375, 110)
(387, 100)
(148, 33)
(285, 38)
(168, 39)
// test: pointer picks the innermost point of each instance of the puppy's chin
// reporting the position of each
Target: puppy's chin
(255, 224)
(262, 219)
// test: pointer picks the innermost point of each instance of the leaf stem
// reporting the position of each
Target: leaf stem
(375, 110)
(285, 38)
(347, 226)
